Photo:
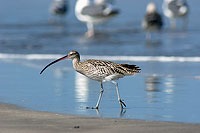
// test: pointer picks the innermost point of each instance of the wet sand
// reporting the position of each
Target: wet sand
(15, 119)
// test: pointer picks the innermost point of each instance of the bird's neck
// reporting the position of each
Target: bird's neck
(80, 4)
(76, 62)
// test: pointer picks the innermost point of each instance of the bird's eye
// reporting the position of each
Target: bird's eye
(71, 54)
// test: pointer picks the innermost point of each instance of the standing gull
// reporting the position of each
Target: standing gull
(152, 20)
(174, 9)
(101, 71)
(92, 14)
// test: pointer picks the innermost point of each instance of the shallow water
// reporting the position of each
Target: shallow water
(166, 89)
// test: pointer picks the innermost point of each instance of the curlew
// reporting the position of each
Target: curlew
(100, 71)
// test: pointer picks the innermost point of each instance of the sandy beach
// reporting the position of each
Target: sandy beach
(15, 119)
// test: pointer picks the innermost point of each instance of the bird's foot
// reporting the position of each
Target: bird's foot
(89, 34)
(92, 107)
(122, 103)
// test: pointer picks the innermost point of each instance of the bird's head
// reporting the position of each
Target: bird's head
(73, 54)
(70, 55)
(151, 7)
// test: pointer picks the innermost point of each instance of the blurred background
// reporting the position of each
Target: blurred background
(166, 89)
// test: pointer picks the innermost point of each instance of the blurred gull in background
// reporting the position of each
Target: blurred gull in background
(59, 8)
(94, 13)
(152, 20)
(104, 2)
(174, 9)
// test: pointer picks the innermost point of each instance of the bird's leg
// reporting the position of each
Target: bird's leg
(100, 95)
(119, 99)
(173, 23)
(185, 23)
(148, 35)
(90, 31)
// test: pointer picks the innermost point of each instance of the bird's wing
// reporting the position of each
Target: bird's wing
(154, 18)
(107, 68)
(173, 6)
(100, 67)
(94, 10)
(99, 10)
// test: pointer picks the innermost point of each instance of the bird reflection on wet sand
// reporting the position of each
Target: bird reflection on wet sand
(153, 83)
(121, 114)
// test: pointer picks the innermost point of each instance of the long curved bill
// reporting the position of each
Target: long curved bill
(62, 58)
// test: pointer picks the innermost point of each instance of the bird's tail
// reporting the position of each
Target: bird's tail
(131, 69)
(113, 12)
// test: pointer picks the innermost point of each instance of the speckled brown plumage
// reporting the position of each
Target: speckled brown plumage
(100, 70)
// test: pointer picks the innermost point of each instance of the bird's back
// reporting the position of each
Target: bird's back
(153, 20)
(99, 11)
(100, 70)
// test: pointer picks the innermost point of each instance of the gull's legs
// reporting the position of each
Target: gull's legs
(90, 31)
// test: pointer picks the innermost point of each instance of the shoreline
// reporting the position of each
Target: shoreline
(18, 120)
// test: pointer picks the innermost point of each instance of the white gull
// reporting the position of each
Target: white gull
(93, 14)
(174, 9)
